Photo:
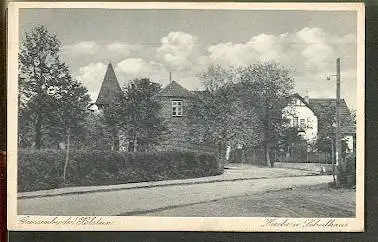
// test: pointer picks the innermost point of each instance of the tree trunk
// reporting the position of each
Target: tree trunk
(266, 148)
(67, 154)
(135, 145)
(115, 145)
(38, 132)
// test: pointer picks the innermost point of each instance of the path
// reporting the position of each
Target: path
(140, 200)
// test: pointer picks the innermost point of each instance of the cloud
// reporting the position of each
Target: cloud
(309, 52)
(138, 67)
(178, 50)
(122, 48)
(316, 47)
(132, 68)
(309, 49)
(84, 47)
(92, 76)
(261, 47)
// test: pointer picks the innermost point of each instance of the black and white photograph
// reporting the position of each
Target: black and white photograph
(178, 116)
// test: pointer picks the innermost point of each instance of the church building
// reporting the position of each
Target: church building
(175, 101)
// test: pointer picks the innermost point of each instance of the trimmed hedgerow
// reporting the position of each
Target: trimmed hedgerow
(43, 169)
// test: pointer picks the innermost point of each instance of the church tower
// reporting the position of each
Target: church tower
(110, 89)
(109, 95)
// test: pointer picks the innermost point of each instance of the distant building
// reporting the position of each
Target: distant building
(301, 115)
(347, 125)
(175, 103)
(310, 115)
(109, 95)
(110, 89)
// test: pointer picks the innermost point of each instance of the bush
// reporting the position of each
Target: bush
(43, 169)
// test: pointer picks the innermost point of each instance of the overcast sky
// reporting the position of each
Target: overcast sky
(150, 43)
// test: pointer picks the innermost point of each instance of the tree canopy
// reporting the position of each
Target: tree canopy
(50, 101)
(243, 105)
(141, 113)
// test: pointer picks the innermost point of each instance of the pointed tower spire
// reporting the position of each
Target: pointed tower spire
(110, 89)
(170, 77)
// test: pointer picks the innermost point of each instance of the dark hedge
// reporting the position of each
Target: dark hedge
(43, 169)
(350, 170)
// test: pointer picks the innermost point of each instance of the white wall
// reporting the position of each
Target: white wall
(303, 112)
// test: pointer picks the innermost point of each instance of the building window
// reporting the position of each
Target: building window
(177, 108)
(303, 123)
(295, 122)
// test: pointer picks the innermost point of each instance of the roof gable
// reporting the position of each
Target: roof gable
(320, 106)
(296, 95)
(110, 89)
(174, 90)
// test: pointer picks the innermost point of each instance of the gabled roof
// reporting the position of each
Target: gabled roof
(296, 95)
(174, 90)
(110, 89)
(320, 105)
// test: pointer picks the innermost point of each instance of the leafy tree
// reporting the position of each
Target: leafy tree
(220, 114)
(51, 103)
(217, 76)
(141, 120)
(97, 135)
(289, 139)
(113, 118)
(244, 105)
(266, 87)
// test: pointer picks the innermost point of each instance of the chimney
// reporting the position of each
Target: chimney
(307, 98)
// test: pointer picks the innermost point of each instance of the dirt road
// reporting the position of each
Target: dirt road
(142, 200)
(306, 201)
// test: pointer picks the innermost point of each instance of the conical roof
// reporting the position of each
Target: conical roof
(174, 90)
(110, 89)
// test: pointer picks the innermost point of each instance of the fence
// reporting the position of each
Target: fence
(316, 167)
(256, 156)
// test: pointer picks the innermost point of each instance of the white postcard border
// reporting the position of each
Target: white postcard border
(140, 223)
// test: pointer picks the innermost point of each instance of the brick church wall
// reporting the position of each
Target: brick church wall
(178, 128)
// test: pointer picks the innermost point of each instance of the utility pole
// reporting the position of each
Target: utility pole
(338, 152)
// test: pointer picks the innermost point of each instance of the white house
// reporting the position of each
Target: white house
(306, 114)
(301, 115)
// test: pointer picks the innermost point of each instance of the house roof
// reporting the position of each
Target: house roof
(174, 90)
(296, 95)
(110, 89)
(319, 105)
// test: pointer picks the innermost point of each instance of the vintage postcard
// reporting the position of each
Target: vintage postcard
(186, 116)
